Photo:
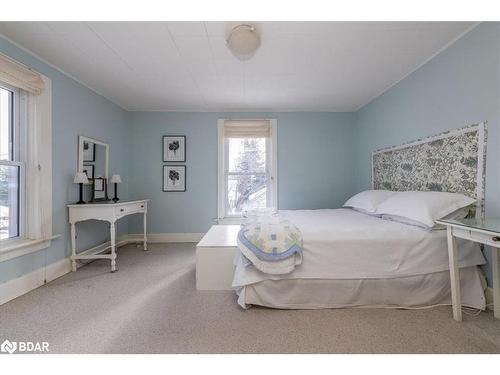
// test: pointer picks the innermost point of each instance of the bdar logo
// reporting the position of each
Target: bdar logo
(8, 347)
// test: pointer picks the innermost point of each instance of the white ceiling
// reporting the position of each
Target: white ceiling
(185, 66)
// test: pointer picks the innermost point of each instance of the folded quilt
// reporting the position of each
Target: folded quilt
(272, 244)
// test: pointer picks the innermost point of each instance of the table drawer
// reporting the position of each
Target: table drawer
(473, 235)
(130, 208)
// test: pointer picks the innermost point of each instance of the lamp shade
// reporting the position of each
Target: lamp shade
(116, 179)
(81, 178)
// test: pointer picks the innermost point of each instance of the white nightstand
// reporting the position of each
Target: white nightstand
(486, 232)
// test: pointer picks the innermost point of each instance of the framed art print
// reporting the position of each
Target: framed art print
(174, 178)
(89, 171)
(88, 151)
(99, 184)
(174, 148)
(99, 189)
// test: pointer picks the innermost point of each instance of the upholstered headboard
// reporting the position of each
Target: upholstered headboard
(454, 161)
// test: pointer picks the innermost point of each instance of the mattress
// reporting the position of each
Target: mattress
(343, 244)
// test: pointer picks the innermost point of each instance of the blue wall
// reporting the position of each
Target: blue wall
(458, 87)
(76, 110)
(313, 168)
(323, 157)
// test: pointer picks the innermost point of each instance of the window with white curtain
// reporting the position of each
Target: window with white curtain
(25, 160)
(247, 167)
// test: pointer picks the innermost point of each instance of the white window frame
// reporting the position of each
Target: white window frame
(222, 169)
(18, 155)
(35, 230)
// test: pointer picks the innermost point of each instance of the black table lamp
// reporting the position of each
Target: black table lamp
(81, 178)
(116, 179)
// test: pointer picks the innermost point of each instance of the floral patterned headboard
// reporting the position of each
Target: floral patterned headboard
(454, 161)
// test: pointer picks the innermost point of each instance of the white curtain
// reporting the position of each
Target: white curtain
(247, 129)
(18, 75)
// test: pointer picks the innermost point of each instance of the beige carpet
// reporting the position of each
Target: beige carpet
(151, 306)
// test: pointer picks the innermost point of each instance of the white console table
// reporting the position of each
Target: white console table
(105, 211)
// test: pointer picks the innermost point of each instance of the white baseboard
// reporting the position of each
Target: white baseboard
(22, 285)
(488, 293)
(17, 287)
(166, 237)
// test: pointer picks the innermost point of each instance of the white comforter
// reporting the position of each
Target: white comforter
(345, 244)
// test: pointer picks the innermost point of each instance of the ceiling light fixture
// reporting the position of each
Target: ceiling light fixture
(243, 41)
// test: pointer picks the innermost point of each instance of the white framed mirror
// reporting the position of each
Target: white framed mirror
(93, 157)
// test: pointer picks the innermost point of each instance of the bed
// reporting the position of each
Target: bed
(351, 259)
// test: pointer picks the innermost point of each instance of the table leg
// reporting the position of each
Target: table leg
(454, 276)
(112, 229)
(73, 247)
(495, 254)
(145, 231)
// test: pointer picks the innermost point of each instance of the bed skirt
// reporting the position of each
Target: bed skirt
(405, 292)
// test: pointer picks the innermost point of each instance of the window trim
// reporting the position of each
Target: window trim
(37, 232)
(18, 156)
(222, 218)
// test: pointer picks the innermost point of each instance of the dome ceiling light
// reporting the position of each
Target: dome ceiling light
(243, 41)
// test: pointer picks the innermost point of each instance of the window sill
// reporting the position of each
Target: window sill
(11, 249)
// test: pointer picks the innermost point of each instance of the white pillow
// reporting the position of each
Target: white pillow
(367, 201)
(422, 208)
(459, 214)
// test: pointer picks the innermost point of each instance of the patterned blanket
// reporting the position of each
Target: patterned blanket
(272, 244)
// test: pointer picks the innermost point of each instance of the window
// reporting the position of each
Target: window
(11, 165)
(247, 167)
(25, 160)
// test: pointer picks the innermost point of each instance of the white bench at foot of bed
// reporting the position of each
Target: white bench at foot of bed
(214, 258)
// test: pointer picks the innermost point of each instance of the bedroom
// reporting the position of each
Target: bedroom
(157, 175)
